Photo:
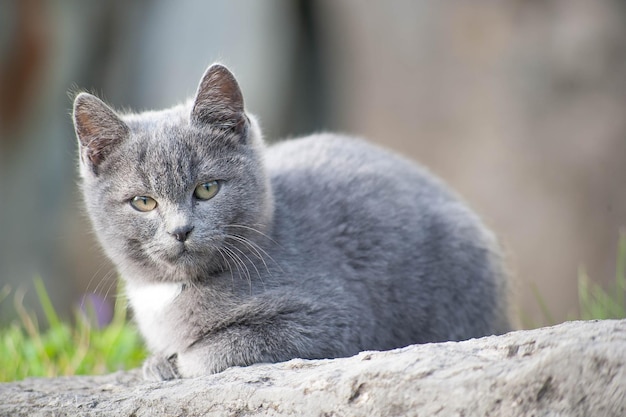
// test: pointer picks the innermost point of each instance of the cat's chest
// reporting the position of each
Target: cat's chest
(150, 303)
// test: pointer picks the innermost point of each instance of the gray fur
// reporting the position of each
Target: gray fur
(318, 247)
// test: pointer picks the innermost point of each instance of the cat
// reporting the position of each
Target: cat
(235, 253)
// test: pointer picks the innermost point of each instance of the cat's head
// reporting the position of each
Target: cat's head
(168, 191)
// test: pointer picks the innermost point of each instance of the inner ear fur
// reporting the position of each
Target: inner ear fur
(219, 101)
(98, 129)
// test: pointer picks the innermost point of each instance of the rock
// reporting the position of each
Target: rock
(573, 369)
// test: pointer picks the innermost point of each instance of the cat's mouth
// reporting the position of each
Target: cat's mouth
(187, 258)
(181, 254)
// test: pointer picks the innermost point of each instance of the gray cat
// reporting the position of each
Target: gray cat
(235, 253)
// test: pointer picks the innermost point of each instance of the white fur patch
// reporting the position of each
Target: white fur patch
(152, 299)
(149, 302)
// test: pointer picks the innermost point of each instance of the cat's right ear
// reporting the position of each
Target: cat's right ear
(98, 130)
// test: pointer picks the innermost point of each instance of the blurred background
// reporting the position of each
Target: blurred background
(519, 105)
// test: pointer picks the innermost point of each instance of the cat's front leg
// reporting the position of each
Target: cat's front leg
(205, 361)
(244, 346)
(160, 367)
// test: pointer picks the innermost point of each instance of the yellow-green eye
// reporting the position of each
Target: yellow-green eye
(143, 203)
(207, 190)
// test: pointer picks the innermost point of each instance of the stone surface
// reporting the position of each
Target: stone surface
(573, 369)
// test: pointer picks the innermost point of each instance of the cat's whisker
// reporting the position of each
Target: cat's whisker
(247, 257)
(239, 261)
(101, 283)
(255, 248)
(95, 274)
(104, 286)
(239, 234)
(230, 268)
(255, 230)
(251, 262)
(120, 278)
(258, 248)
(87, 305)
(243, 263)
(112, 284)
(248, 274)
(256, 245)
(235, 259)
(115, 286)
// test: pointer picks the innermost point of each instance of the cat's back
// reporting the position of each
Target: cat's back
(336, 161)
(336, 175)
(327, 151)
(387, 231)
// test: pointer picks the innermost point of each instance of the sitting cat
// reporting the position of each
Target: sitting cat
(235, 253)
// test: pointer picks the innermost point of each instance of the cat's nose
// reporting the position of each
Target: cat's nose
(182, 233)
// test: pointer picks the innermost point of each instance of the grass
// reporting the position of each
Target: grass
(597, 303)
(65, 348)
(594, 302)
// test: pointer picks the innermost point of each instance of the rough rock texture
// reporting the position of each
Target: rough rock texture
(573, 369)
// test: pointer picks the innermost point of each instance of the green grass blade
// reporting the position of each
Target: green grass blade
(46, 304)
(545, 311)
(620, 270)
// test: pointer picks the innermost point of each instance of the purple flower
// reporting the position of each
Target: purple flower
(96, 309)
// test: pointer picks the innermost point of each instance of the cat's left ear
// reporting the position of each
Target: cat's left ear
(98, 128)
(219, 101)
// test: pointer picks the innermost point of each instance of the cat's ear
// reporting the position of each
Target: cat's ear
(219, 101)
(98, 129)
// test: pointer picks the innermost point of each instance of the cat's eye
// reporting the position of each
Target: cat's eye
(143, 203)
(206, 190)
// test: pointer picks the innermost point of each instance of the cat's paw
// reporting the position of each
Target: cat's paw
(160, 368)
